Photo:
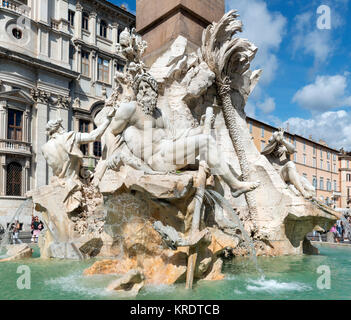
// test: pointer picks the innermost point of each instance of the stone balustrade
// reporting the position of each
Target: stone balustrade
(13, 146)
(55, 24)
(16, 6)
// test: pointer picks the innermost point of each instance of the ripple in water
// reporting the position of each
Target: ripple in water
(93, 286)
(275, 286)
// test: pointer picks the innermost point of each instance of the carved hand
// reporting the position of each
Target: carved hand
(111, 113)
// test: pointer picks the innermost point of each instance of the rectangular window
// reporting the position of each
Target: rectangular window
(314, 182)
(85, 21)
(334, 157)
(84, 128)
(71, 52)
(348, 177)
(103, 29)
(314, 163)
(85, 64)
(328, 166)
(348, 164)
(321, 153)
(262, 132)
(97, 147)
(314, 150)
(334, 165)
(250, 126)
(335, 186)
(120, 67)
(294, 141)
(328, 185)
(104, 70)
(321, 164)
(71, 17)
(14, 125)
(14, 179)
(321, 184)
(263, 144)
(304, 159)
(304, 146)
(295, 156)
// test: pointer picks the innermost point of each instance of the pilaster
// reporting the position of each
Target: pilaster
(2, 175)
(92, 27)
(41, 166)
(78, 21)
(3, 119)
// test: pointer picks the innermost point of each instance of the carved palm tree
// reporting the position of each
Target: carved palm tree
(229, 58)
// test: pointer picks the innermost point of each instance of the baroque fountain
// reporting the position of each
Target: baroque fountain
(181, 185)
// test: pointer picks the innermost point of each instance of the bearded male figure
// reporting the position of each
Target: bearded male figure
(142, 131)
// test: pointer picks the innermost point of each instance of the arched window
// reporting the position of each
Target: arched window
(103, 29)
(14, 179)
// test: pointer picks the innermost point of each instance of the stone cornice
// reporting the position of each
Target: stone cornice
(93, 47)
(37, 63)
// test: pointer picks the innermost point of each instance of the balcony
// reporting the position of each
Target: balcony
(15, 6)
(15, 147)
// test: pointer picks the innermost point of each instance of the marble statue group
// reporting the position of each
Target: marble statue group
(172, 133)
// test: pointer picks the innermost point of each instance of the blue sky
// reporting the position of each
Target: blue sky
(306, 81)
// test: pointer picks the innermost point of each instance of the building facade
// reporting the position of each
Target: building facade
(58, 59)
(318, 163)
(345, 178)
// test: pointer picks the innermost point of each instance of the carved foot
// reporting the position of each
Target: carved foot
(245, 187)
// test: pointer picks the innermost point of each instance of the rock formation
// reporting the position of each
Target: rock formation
(17, 252)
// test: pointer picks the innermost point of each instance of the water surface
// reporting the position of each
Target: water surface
(293, 277)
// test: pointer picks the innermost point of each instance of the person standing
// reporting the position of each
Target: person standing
(37, 226)
(15, 232)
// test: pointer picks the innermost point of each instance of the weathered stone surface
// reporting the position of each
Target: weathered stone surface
(92, 248)
(167, 186)
(222, 241)
(129, 284)
(216, 272)
(66, 233)
(17, 252)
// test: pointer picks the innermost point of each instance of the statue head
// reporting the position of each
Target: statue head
(124, 38)
(54, 126)
(146, 92)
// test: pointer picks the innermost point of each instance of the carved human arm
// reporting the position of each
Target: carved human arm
(98, 132)
(289, 146)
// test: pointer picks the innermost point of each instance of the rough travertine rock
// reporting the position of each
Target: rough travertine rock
(129, 284)
(17, 252)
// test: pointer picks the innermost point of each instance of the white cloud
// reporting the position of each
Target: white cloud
(310, 39)
(250, 109)
(333, 126)
(325, 93)
(263, 28)
(267, 106)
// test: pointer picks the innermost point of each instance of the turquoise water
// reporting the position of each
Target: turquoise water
(285, 278)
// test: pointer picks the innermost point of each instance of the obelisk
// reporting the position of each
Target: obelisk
(160, 22)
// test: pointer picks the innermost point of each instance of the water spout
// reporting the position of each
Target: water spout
(223, 203)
